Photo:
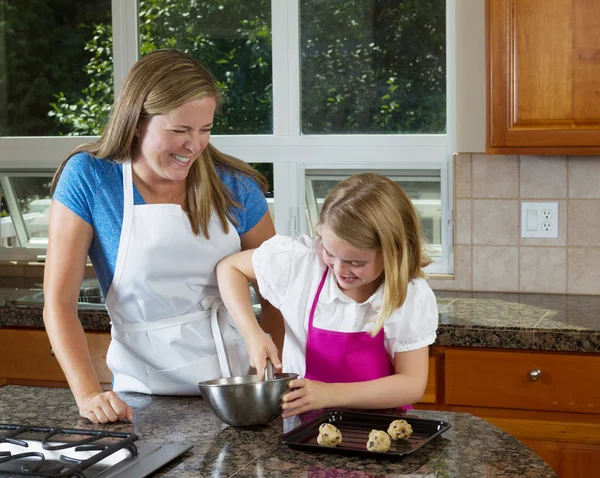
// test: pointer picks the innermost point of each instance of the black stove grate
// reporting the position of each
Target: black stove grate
(36, 464)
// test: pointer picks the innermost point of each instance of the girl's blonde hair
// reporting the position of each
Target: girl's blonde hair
(370, 211)
(158, 83)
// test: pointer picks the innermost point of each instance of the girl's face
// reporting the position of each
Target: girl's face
(357, 270)
(168, 144)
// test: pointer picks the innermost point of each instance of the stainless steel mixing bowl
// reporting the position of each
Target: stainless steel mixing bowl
(245, 401)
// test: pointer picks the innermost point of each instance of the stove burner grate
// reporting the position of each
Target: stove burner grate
(105, 443)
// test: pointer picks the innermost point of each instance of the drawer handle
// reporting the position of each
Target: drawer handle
(51, 351)
(534, 374)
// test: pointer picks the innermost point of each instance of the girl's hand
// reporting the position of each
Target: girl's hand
(260, 347)
(307, 395)
(105, 407)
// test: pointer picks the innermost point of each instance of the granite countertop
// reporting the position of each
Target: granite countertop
(567, 323)
(472, 447)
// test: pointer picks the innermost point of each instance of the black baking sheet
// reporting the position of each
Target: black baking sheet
(355, 428)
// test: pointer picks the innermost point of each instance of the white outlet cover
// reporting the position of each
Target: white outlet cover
(543, 220)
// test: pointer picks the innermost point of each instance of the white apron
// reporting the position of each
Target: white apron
(169, 329)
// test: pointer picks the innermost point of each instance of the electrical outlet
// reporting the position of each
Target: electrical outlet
(539, 219)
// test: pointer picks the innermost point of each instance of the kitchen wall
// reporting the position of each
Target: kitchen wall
(490, 255)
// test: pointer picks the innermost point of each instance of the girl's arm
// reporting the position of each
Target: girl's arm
(404, 388)
(233, 274)
(271, 320)
(69, 239)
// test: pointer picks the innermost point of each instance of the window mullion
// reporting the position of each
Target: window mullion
(286, 67)
(448, 174)
(287, 210)
(125, 39)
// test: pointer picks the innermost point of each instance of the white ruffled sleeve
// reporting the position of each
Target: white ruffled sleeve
(277, 262)
(414, 325)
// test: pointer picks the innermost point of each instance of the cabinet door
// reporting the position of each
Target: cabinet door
(543, 76)
(523, 380)
(568, 459)
(26, 357)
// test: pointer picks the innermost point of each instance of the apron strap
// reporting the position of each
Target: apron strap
(216, 304)
(313, 308)
(126, 227)
(316, 300)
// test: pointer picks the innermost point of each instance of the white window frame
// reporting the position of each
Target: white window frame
(290, 151)
(441, 265)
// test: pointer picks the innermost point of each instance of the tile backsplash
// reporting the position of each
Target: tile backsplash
(490, 254)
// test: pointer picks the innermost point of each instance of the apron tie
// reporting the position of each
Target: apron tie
(211, 306)
(161, 323)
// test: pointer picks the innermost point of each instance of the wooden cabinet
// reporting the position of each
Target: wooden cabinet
(543, 76)
(567, 459)
(549, 401)
(523, 380)
(26, 358)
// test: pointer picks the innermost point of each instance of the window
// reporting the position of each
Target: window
(55, 64)
(423, 188)
(363, 72)
(313, 91)
(25, 209)
(233, 39)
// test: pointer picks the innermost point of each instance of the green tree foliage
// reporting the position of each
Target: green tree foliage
(41, 56)
(373, 66)
(232, 38)
(368, 66)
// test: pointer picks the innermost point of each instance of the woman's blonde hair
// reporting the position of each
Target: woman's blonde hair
(370, 211)
(158, 83)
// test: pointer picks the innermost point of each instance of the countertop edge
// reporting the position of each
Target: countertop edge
(449, 335)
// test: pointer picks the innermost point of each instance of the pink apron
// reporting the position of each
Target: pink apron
(342, 357)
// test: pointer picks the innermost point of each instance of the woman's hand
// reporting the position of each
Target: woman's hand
(260, 347)
(105, 407)
(307, 395)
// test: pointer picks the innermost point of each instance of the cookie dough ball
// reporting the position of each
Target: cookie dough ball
(379, 441)
(329, 435)
(400, 430)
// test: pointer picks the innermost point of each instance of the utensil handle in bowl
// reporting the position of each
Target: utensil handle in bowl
(269, 375)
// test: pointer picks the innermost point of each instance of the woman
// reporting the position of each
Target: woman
(155, 206)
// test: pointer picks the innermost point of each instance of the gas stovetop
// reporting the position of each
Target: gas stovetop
(62, 452)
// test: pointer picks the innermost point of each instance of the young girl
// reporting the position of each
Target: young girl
(359, 315)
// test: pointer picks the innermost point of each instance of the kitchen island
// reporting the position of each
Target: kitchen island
(472, 447)
(528, 363)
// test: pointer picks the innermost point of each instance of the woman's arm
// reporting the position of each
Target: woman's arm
(405, 387)
(271, 320)
(69, 239)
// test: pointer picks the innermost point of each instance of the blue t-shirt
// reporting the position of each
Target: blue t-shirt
(93, 189)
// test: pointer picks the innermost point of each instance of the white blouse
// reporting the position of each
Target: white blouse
(288, 271)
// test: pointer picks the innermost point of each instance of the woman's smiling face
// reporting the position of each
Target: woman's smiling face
(168, 144)
(357, 271)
